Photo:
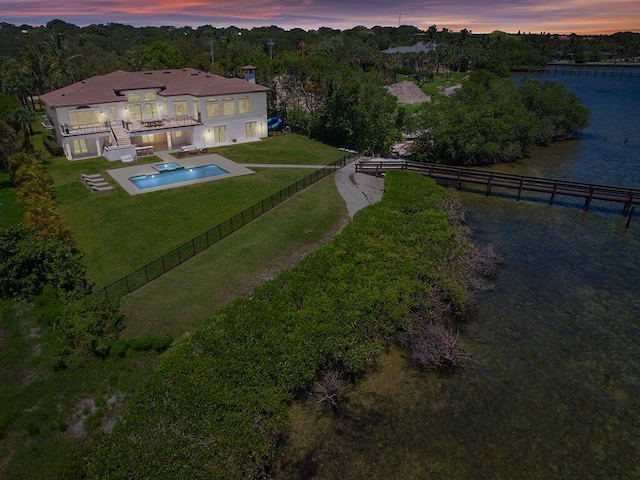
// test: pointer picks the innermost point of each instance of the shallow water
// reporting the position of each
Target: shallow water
(555, 389)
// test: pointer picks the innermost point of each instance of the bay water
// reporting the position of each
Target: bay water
(554, 388)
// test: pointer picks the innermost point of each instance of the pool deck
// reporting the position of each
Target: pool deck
(122, 175)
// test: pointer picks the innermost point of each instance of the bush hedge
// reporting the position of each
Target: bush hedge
(216, 406)
(52, 146)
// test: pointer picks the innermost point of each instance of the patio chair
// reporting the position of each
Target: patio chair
(84, 176)
(91, 186)
(90, 181)
(101, 188)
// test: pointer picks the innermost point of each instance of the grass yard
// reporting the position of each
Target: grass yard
(282, 149)
(46, 414)
(181, 299)
(119, 233)
(10, 211)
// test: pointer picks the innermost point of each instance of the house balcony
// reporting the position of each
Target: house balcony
(160, 124)
(73, 130)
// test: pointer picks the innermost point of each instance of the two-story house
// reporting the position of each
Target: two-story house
(136, 113)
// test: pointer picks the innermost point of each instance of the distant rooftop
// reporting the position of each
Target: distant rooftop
(425, 47)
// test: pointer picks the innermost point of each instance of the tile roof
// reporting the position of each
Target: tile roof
(111, 88)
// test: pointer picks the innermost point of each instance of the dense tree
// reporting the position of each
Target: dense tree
(491, 120)
(161, 55)
(559, 111)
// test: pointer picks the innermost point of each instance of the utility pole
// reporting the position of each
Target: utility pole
(271, 43)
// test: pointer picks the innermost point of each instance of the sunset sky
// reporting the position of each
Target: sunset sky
(479, 16)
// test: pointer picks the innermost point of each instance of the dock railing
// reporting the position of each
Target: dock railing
(459, 175)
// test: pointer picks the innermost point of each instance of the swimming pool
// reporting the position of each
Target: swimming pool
(176, 175)
(167, 167)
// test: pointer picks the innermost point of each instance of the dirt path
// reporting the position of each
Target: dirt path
(358, 190)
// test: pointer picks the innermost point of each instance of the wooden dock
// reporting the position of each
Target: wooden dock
(628, 197)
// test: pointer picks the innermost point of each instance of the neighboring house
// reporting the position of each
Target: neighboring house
(137, 113)
(412, 56)
(420, 47)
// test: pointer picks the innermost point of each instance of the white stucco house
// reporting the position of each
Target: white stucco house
(136, 113)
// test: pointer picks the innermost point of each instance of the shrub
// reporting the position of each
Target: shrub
(28, 263)
(34, 190)
(218, 399)
(157, 343)
(52, 146)
(89, 326)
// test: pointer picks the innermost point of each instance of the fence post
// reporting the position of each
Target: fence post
(630, 215)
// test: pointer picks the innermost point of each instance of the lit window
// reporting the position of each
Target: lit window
(135, 111)
(213, 108)
(84, 118)
(133, 98)
(80, 146)
(228, 106)
(244, 105)
(147, 138)
(181, 108)
(251, 129)
(151, 111)
(149, 97)
(220, 133)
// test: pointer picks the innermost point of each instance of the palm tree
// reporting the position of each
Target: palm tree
(38, 66)
(22, 119)
(15, 81)
(8, 143)
(61, 71)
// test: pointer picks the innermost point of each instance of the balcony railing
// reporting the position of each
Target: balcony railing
(160, 124)
(71, 130)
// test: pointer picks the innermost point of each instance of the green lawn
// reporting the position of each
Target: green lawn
(119, 233)
(180, 300)
(283, 149)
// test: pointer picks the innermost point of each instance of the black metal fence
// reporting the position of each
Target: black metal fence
(184, 252)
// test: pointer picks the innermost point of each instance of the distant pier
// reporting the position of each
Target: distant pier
(518, 184)
(612, 70)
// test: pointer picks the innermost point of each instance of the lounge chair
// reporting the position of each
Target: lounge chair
(84, 176)
(101, 188)
(95, 181)
(97, 184)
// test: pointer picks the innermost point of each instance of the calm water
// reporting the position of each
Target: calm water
(555, 392)
(168, 177)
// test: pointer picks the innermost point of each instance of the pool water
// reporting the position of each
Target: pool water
(177, 175)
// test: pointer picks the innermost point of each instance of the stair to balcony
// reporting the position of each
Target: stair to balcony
(122, 137)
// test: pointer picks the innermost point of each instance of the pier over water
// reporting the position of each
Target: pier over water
(628, 197)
